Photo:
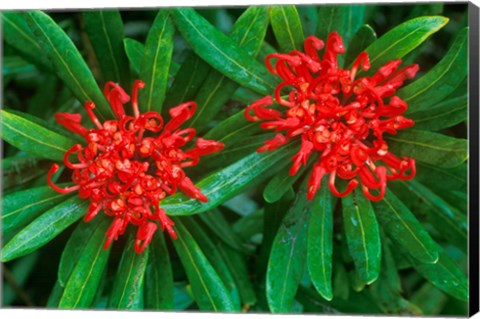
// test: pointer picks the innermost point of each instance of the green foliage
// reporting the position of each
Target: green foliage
(258, 244)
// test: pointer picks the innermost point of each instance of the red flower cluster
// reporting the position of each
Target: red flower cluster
(338, 117)
(131, 163)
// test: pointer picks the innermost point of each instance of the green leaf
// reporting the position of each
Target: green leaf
(330, 18)
(221, 52)
(287, 260)
(280, 184)
(55, 296)
(343, 19)
(387, 289)
(287, 27)
(236, 262)
(20, 270)
(105, 31)
(13, 65)
(320, 242)
(128, 283)
(446, 114)
(402, 39)
(445, 275)
(208, 289)
(17, 34)
(188, 80)
(227, 182)
(233, 129)
(441, 80)
(362, 39)
(84, 280)
(33, 138)
(155, 63)
(451, 224)
(21, 169)
(67, 61)
(363, 237)
(45, 94)
(134, 50)
(74, 249)
(232, 152)
(181, 297)
(403, 228)
(309, 18)
(209, 248)
(442, 179)
(217, 223)
(159, 289)
(431, 148)
(248, 31)
(19, 208)
(44, 228)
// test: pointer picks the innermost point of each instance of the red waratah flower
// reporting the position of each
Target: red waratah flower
(339, 118)
(129, 164)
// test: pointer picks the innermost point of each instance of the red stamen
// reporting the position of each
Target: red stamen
(65, 190)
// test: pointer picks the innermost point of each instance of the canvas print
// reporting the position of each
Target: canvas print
(261, 159)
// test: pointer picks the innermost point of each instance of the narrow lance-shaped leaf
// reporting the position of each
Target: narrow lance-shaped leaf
(451, 224)
(287, 260)
(248, 31)
(217, 223)
(13, 65)
(442, 179)
(343, 19)
(158, 276)
(17, 34)
(287, 27)
(236, 262)
(232, 152)
(309, 18)
(363, 236)
(85, 277)
(402, 39)
(74, 249)
(156, 62)
(445, 275)
(443, 115)
(320, 242)
(386, 290)
(282, 182)
(221, 52)
(128, 285)
(431, 148)
(44, 228)
(362, 39)
(20, 208)
(208, 289)
(404, 229)
(135, 50)
(209, 248)
(67, 61)
(21, 169)
(441, 80)
(227, 182)
(33, 138)
(105, 31)
(188, 80)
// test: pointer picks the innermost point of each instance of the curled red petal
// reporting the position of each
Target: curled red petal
(191, 190)
(144, 236)
(270, 145)
(71, 122)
